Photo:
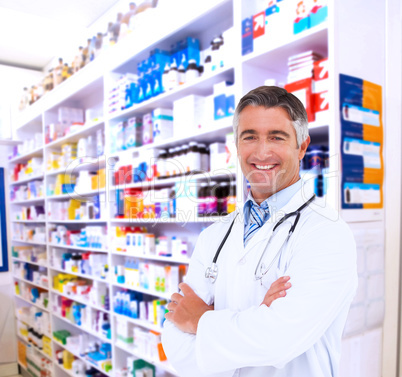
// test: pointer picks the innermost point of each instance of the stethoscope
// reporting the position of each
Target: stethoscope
(212, 271)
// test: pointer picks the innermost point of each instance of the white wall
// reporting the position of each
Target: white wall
(8, 344)
(13, 80)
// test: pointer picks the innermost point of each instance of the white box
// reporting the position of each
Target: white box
(188, 115)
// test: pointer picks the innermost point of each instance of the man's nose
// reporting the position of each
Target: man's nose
(262, 150)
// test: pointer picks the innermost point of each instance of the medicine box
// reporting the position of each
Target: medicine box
(133, 133)
(302, 89)
(318, 13)
(147, 130)
(188, 115)
(231, 152)
(162, 120)
(217, 156)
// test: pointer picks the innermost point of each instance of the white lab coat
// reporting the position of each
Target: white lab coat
(298, 335)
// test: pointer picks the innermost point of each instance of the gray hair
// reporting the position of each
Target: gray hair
(273, 96)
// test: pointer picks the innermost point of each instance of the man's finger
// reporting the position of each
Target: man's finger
(176, 297)
(186, 289)
(272, 298)
(171, 305)
(281, 280)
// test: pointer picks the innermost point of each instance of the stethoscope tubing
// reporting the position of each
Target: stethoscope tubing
(297, 213)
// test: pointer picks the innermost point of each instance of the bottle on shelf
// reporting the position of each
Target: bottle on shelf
(192, 71)
(222, 195)
(173, 78)
(231, 203)
(202, 199)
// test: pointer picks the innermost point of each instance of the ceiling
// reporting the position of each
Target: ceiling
(33, 32)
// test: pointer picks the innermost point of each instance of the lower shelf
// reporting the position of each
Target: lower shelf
(37, 349)
(163, 365)
(85, 360)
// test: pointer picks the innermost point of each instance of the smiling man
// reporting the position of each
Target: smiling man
(246, 319)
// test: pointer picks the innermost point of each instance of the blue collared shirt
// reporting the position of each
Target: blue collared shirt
(274, 202)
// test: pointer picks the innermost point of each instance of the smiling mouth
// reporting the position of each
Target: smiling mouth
(264, 167)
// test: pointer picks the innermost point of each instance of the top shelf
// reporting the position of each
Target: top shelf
(277, 51)
(84, 131)
(201, 86)
(25, 157)
(124, 56)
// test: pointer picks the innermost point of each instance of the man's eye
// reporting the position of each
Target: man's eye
(249, 138)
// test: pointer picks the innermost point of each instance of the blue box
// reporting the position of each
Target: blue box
(247, 36)
(158, 59)
(301, 25)
(157, 88)
(230, 105)
(271, 10)
(219, 106)
(187, 49)
(134, 93)
(319, 16)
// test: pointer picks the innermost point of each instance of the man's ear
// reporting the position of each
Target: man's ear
(303, 147)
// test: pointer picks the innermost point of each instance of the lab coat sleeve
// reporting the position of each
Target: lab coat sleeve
(324, 280)
(179, 347)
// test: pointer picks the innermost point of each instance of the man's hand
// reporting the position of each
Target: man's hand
(277, 290)
(185, 311)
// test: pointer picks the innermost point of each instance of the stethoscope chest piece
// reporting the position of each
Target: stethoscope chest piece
(212, 272)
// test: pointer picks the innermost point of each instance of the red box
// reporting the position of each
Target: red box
(321, 69)
(321, 101)
(258, 25)
(302, 89)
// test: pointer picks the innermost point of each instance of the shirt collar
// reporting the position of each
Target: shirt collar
(276, 201)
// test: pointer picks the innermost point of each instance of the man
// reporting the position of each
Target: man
(243, 324)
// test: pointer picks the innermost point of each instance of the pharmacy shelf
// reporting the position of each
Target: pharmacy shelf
(29, 242)
(23, 366)
(10, 142)
(200, 86)
(152, 257)
(30, 282)
(76, 195)
(164, 365)
(67, 371)
(85, 276)
(80, 164)
(41, 307)
(165, 295)
(164, 220)
(28, 221)
(210, 134)
(79, 300)
(139, 322)
(91, 221)
(277, 51)
(27, 261)
(84, 359)
(28, 179)
(70, 247)
(36, 348)
(94, 333)
(28, 201)
(27, 324)
(38, 152)
(86, 130)
(171, 181)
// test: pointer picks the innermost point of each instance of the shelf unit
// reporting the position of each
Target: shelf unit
(89, 87)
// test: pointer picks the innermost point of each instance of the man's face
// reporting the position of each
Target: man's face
(267, 150)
